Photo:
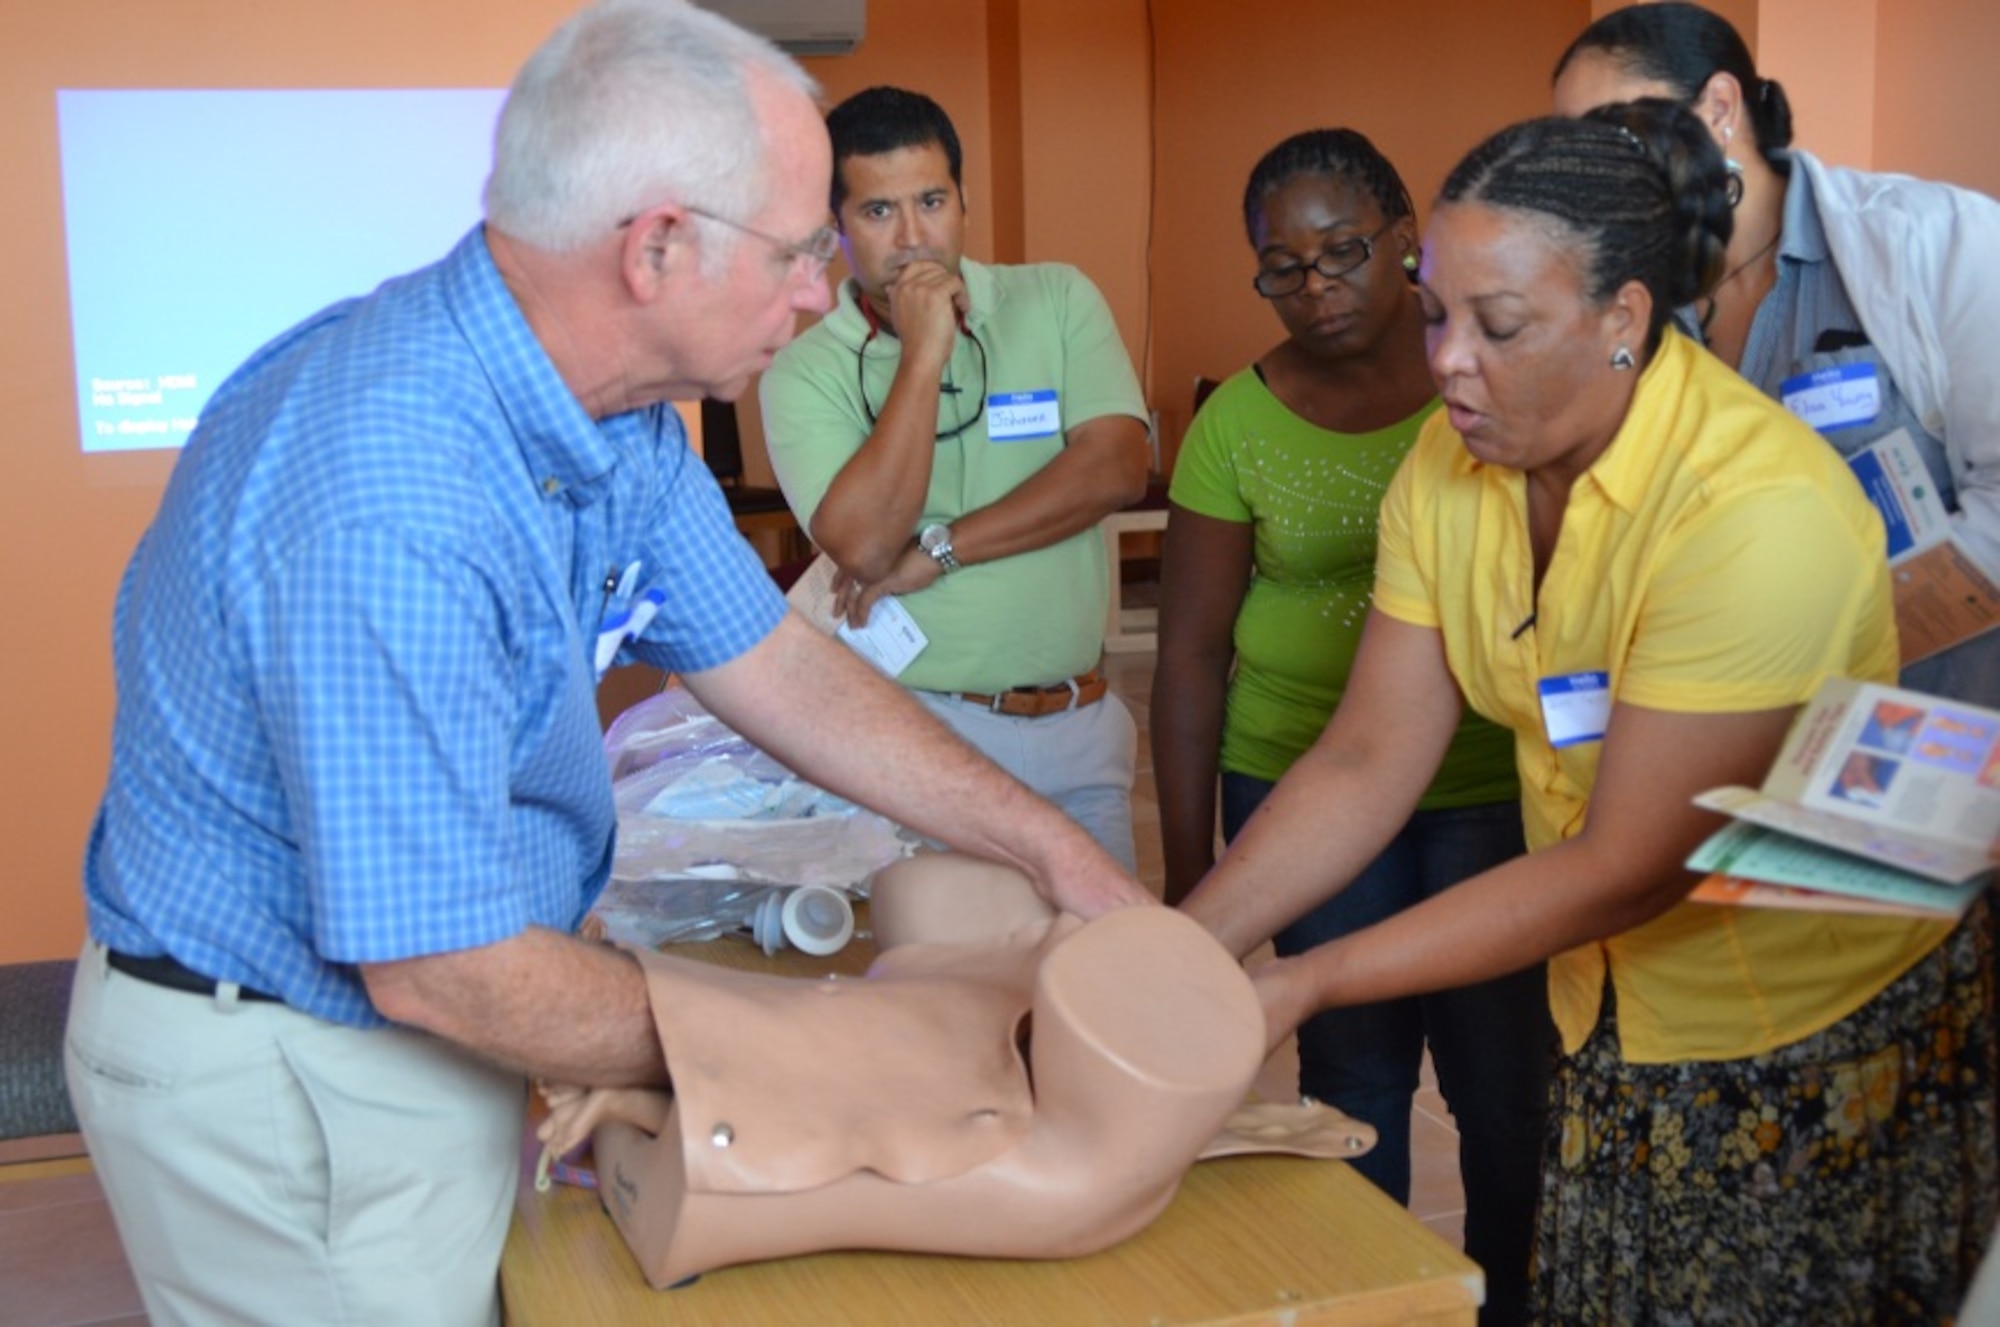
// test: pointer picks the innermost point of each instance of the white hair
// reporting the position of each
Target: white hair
(632, 103)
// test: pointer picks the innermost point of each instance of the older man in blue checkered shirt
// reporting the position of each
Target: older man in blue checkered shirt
(357, 801)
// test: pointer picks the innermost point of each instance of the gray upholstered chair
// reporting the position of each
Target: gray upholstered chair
(34, 1003)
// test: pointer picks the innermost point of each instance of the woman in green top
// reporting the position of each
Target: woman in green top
(1268, 567)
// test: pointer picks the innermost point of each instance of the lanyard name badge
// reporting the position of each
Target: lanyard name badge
(1576, 707)
(1019, 416)
(1834, 397)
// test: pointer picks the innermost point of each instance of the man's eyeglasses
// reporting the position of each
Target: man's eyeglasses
(810, 255)
(1334, 261)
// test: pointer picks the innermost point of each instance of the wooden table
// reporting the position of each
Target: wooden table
(1246, 1240)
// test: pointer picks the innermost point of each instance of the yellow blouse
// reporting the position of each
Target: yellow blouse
(1717, 558)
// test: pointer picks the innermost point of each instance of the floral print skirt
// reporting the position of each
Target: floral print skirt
(1846, 1178)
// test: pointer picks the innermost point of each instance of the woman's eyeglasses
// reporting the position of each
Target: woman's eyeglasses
(1334, 261)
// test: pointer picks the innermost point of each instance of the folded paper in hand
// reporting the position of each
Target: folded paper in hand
(890, 640)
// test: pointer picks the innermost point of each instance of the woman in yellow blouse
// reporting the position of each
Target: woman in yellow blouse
(1614, 546)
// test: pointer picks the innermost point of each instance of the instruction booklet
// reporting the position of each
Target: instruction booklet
(1879, 793)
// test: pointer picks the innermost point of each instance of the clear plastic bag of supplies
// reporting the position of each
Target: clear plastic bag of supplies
(817, 919)
(712, 831)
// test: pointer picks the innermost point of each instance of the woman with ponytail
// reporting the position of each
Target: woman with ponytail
(1892, 282)
(1617, 548)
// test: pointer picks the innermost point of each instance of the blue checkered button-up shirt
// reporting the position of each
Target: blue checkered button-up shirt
(356, 712)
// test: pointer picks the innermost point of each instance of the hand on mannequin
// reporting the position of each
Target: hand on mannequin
(575, 1113)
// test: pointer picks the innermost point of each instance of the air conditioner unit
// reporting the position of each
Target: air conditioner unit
(800, 27)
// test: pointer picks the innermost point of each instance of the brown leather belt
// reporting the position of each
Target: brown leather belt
(1033, 702)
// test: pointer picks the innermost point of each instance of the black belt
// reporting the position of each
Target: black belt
(165, 970)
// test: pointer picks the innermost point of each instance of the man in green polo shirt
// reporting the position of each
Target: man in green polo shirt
(951, 434)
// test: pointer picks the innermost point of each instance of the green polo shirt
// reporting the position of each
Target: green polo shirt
(1027, 620)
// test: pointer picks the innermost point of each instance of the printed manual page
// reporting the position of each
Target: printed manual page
(1884, 777)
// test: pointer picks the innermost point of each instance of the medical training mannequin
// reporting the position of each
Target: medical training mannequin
(944, 898)
(1032, 1086)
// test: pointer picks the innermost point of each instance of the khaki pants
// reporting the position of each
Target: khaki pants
(264, 1166)
(1082, 760)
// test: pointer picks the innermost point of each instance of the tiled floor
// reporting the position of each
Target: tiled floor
(60, 1261)
(61, 1265)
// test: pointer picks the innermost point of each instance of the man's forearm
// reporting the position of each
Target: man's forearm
(1102, 470)
(813, 704)
(872, 507)
(546, 1004)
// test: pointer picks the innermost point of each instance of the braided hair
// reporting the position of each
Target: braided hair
(1684, 46)
(1341, 154)
(1638, 190)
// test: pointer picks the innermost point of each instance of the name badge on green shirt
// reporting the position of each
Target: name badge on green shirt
(1019, 416)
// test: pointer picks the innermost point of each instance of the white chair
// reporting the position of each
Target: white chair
(1130, 629)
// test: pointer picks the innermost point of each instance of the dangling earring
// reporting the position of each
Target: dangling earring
(1733, 187)
(1410, 267)
(1621, 359)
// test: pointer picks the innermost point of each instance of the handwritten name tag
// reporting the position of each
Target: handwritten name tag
(1836, 397)
(1576, 707)
(1018, 416)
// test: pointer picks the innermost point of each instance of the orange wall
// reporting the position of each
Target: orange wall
(1937, 99)
(1087, 163)
(1823, 52)
(1893, 85)
(1111, 133)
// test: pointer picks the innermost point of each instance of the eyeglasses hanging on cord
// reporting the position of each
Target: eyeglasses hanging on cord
(948, 388)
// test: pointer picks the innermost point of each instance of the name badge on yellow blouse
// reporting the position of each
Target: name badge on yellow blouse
(1018, 416)
(1576, 707)
(1835, 397)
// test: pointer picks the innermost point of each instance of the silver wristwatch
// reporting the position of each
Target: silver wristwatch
(935, 539)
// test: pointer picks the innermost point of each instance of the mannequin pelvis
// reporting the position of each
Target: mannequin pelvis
(1029, 1086)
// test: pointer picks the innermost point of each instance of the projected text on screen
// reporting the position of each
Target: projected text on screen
(201, 223)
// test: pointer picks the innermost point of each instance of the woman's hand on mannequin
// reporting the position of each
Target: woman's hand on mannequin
(1287, 999)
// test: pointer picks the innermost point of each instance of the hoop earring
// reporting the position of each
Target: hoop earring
(1621, 359)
